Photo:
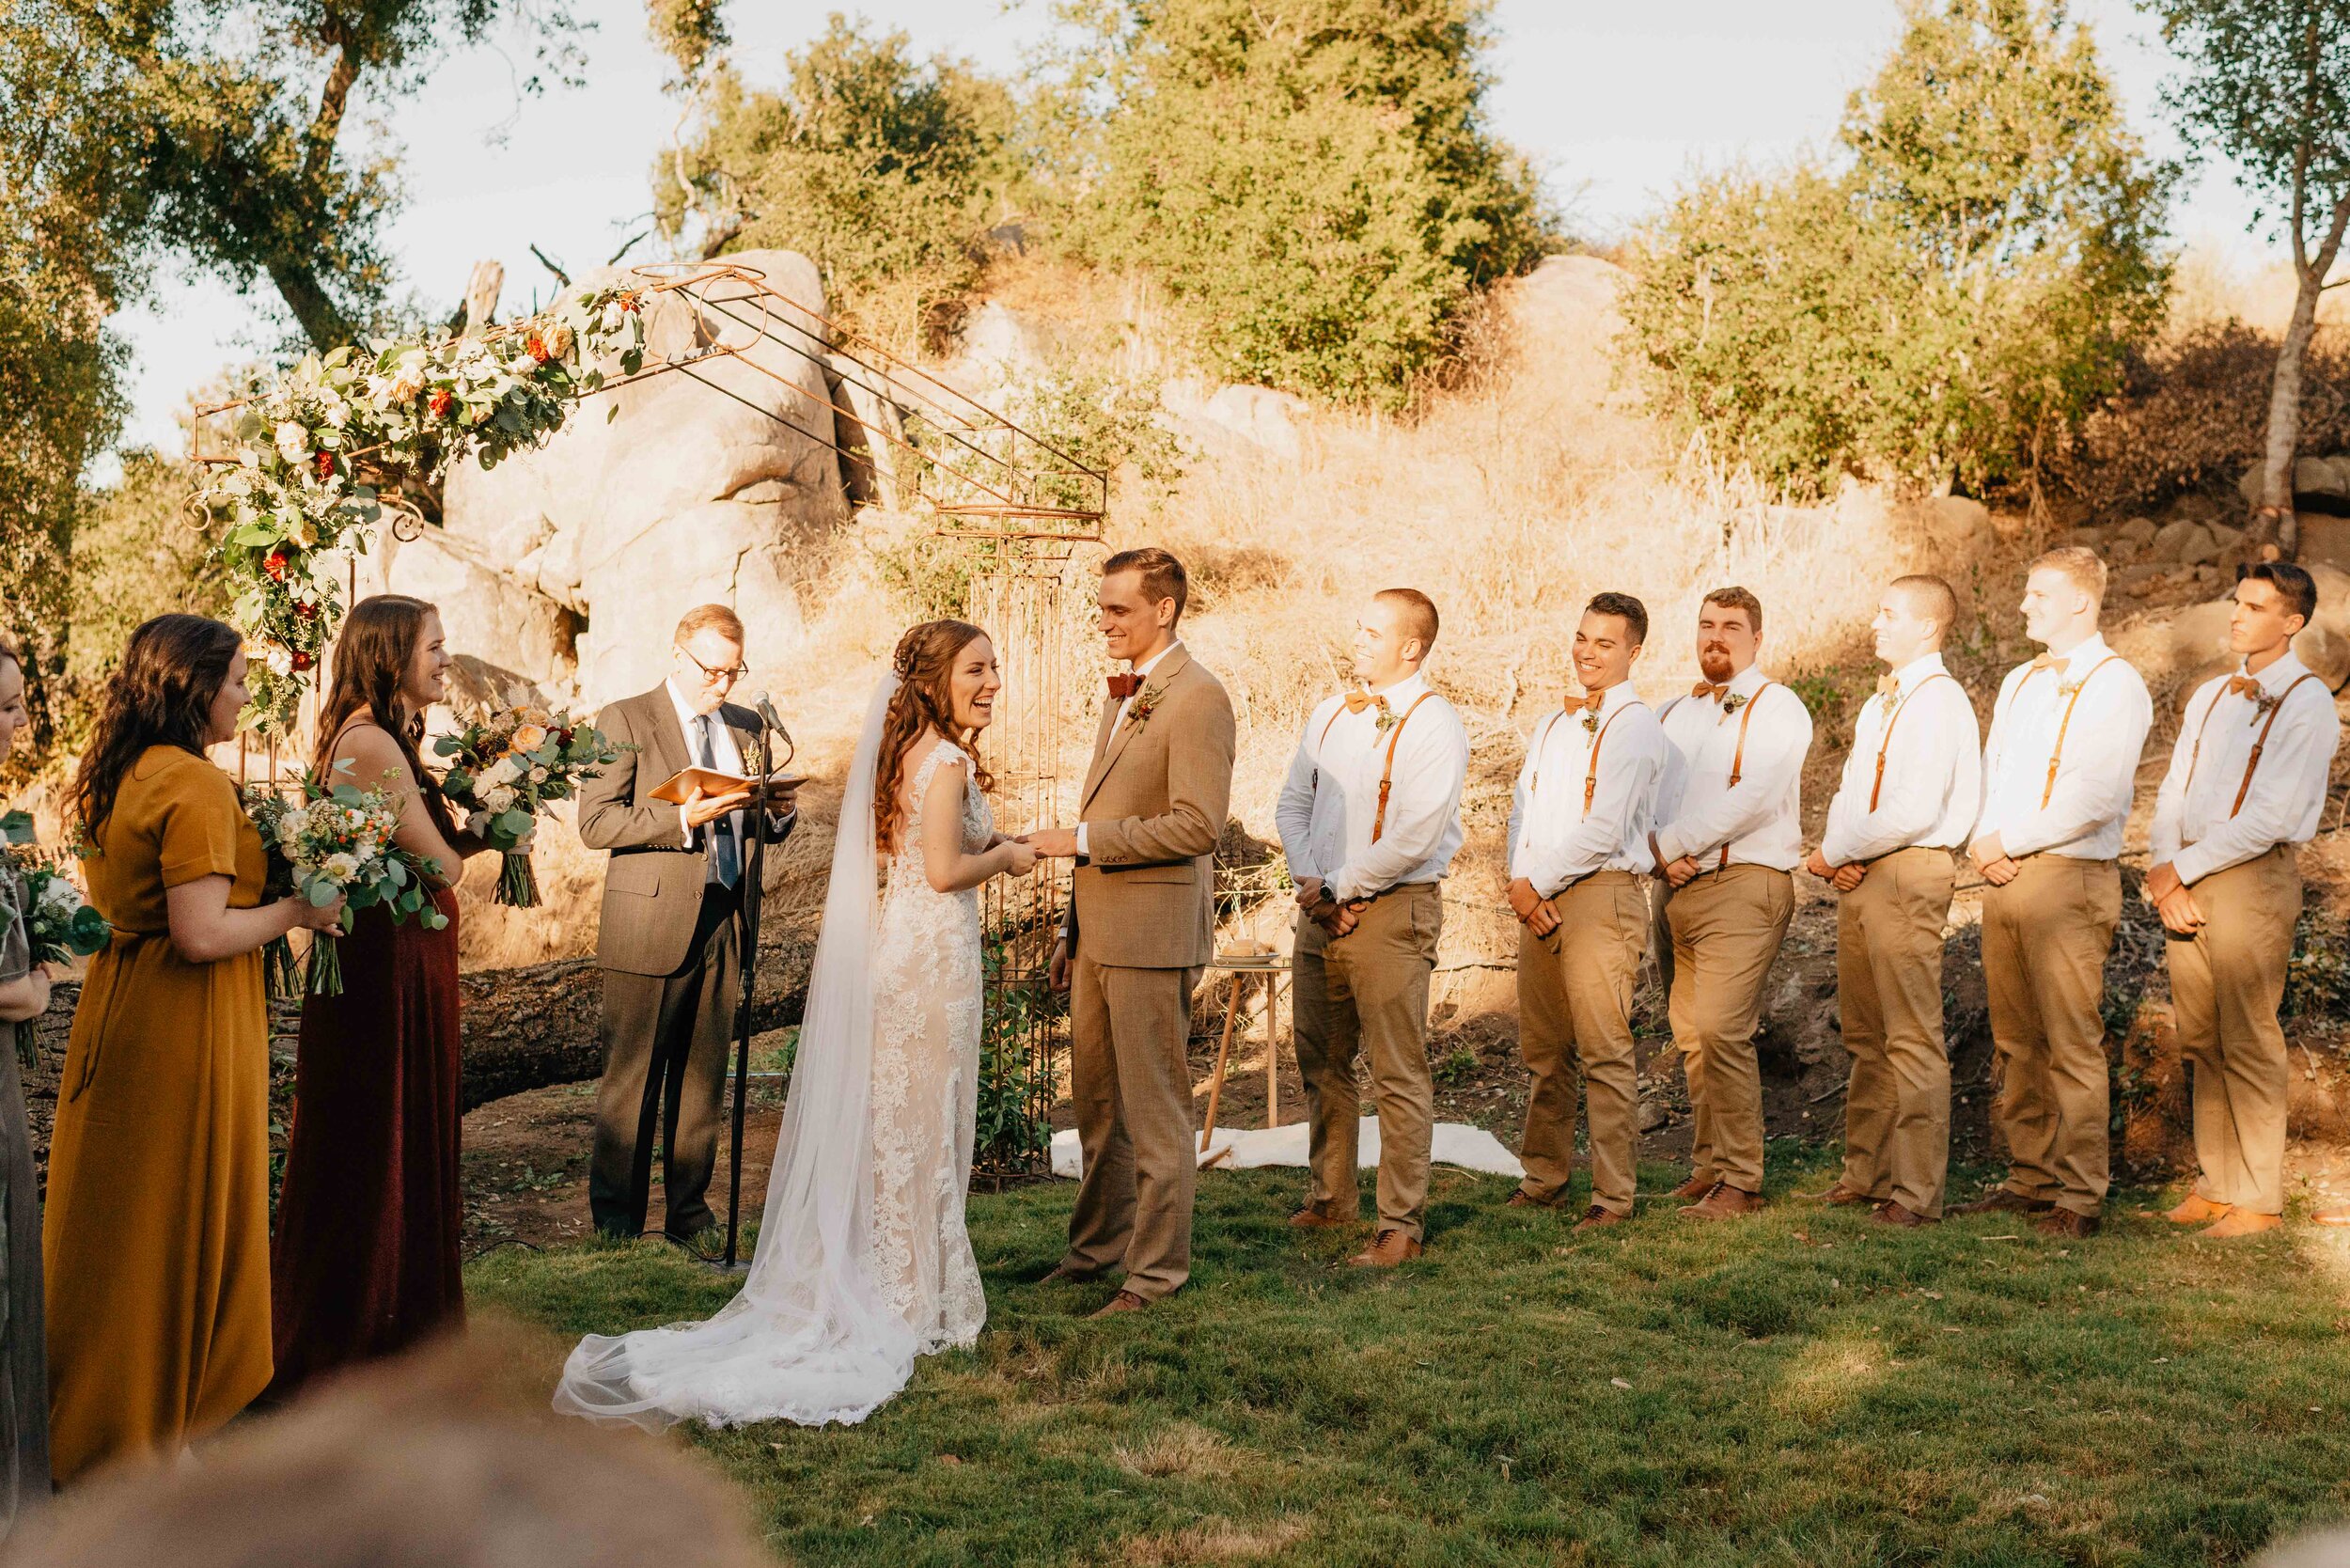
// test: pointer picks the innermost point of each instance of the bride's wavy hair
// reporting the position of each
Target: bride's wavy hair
(925, 666)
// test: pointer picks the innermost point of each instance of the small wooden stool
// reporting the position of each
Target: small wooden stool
(1247, 968)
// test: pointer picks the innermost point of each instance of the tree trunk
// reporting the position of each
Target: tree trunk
(2277, 521)
(322, 321)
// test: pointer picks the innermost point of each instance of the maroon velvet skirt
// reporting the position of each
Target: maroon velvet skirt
(365, 1260)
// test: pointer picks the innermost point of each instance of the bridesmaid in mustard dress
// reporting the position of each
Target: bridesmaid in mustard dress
(156, 1238)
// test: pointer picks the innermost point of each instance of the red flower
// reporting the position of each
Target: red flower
(304, 611)
(537, 347)
(440, 402)
(562, 737)
(274, 563)
(301, 661)
(325, 461)
(629, 303)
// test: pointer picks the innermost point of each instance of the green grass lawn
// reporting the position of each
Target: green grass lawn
(1799, 1388)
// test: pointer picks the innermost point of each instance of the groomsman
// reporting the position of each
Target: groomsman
(1579, 859)
(1907, 800)
(1730, 839)
(1370, 819)
(2247, 785)
(2058, 775)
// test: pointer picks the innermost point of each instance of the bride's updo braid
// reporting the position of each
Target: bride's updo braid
(925, 666)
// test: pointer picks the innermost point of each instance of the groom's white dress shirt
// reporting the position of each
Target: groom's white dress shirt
(1142, 671)
(1761, 819)
(1554, 841)
(2081, 812)
(2199, 827)
(1329, 804)
(1931, 785)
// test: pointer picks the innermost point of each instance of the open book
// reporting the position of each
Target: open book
(680, 786)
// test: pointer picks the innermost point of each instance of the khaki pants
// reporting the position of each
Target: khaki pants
(1365, 995)
(2044, 939)
(1727, 926)
(1575, 1007)
(1131, 1087)
(1888, 985)
(2225, 986)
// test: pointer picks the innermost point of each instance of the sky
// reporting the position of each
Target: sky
(1616, 101)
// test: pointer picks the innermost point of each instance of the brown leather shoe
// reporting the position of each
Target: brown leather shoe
(1522, 1199)
(2065, 1225)
(1124, 1301)
(1839, 1195)
(2196, 1210)
(1064, 1275)
(2241, 1222)
(1595, 1218)
(1893, 1213)
(2331, 1217)
(1695, 1186)
(1724, 1201)
(1999, 1200)
(1388, 1249)
(1311, 1219)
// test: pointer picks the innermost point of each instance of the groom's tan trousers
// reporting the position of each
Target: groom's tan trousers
(1365, 995)
(1131, 1087)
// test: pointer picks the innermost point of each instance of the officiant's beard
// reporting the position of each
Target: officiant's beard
(1715, 659)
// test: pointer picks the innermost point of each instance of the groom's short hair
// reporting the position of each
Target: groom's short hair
(1163, 575)
(1418, 612)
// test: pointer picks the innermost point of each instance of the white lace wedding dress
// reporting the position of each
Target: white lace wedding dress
(862, 1261)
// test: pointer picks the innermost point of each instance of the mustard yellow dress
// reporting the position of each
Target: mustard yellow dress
(156, 1238)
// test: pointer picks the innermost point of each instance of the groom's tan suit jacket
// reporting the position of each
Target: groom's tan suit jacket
(1154, 805)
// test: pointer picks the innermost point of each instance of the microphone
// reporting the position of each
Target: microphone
(768, 717)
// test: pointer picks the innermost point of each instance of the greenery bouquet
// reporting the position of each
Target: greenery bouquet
(508, 769)
(266, 807)
(338, 842)
(59, 925)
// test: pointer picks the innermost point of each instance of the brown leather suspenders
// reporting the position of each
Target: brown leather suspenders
(1386, 773)
(2251, 766)
(1885, 743)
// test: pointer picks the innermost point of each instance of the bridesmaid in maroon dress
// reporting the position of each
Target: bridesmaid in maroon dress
(365, 1261)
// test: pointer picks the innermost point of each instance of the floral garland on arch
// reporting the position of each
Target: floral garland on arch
(317, 449)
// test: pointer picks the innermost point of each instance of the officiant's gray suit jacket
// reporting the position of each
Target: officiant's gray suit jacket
(653, 889)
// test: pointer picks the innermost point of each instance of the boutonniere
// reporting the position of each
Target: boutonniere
(1385, 719)
(1145, 702)
(2263, 704)
(1590, 722)
(1732, 702)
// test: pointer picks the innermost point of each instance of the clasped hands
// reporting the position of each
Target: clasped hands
(1323, 909)
(1842, 878)
(2173, 901)
(1991, 858)
(1536, 913)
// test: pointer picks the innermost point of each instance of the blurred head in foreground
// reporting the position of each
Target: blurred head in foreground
(409, 1465)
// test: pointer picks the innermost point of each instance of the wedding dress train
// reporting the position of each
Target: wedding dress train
(862, 1261)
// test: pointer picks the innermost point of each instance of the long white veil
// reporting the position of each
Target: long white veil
(809, 1338)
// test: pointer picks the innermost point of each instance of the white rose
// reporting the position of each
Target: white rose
(342, 865)
(290, 826)
(58, 894)
(537, 775)
(613, 316)
(280, 660)
(293, 441)
(498, 798)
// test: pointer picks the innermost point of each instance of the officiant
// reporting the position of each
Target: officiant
(670, 939)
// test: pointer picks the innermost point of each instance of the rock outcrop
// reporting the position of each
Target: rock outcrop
(568, 567)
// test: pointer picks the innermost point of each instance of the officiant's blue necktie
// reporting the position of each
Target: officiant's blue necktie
(725, 862)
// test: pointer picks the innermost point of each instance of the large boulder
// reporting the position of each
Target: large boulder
(2192, 645)
(568, 566)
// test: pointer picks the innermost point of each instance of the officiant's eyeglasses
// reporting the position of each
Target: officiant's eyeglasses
(726, 677)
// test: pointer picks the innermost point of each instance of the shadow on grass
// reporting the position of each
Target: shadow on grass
(1800, 1389)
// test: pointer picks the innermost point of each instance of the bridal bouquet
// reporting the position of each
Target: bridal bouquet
(266, 808)
(504, 771)
(58, 926)
(337, 843)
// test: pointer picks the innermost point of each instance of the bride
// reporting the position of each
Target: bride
(863, 1262)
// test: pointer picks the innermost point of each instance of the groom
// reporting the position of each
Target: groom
(1139, 933)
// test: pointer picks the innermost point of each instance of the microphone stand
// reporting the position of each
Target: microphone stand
(747, 916)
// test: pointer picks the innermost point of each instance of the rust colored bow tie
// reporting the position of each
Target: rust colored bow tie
(1124, 686)
(2046, 661)
(1359, 700)
(1588, 703)
(2244, 686)
(1705, 689)
(1887, 685)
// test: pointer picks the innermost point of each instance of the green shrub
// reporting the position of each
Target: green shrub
(1311, 180)
(1940, 301)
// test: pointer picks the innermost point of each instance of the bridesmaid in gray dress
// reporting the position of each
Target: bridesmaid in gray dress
(23, 1344)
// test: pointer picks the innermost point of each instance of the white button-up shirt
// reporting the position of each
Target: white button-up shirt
(1141, 671)
(2085, 809)
(1553, 841)
(1762, 820)
(2197, 827)
(1933, 777)
(1331, 801)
